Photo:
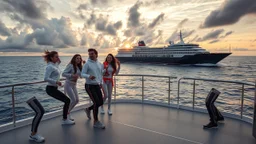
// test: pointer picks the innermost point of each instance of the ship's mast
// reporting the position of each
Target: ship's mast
(181, 39)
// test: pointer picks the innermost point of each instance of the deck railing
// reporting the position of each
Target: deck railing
(169, 80)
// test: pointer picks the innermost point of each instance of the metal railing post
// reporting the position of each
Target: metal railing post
(242, 102)
(142, 89)
(115, 89)
(13, 108)
(194, 88)
(178, 95)
(254, 116)
(169, 90)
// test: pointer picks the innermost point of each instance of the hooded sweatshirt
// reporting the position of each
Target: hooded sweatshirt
(92, 68)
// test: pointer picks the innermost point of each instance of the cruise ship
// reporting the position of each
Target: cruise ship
(180, 53)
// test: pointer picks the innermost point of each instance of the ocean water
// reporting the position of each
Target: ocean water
(30, 69)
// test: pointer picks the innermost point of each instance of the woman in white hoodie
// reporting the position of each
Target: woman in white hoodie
(72, 72)
(92, 72)
(52, 76)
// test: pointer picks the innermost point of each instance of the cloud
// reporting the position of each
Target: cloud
(134, 15)
(95, 2)
(28, 8)
(83, 6)
(214, 41)
(182, 23)
(212, 35)
(109, 28)
(227, 34)
(157, 20)
(229, 13)
(55, 32)
(118, 25)
(4, 31)
(194, 39)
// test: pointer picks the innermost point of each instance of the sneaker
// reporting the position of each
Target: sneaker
(36, 138)
(220, 119)
(67, 122)
(110, 112)
(98, 124)
(88, 113)
(211, 125)
(102, 111)
(70, 117)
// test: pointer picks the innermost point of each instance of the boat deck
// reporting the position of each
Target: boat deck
(135, 124)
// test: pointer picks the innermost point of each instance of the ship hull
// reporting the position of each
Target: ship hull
(211, 58)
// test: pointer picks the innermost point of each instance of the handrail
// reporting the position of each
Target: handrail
(22, 84)
(172, 77)
(215, 80)
(142, 84)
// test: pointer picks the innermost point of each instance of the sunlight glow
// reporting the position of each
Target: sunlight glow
(127, 46)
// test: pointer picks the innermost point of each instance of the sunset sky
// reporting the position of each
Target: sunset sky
(28, 27)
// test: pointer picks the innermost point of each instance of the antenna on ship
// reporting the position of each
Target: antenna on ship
(181, 39)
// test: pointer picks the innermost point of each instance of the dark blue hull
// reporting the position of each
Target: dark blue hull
(212, 58)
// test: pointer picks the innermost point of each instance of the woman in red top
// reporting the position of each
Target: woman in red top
(111, 67)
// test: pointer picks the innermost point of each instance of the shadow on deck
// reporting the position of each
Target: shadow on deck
(137, 123)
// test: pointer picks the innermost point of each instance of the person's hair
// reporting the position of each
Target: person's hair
(48, 55)
(94, 50)
(73, 62)
(113, 62)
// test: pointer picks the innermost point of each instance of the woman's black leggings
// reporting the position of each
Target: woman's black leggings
(94, 92)
(39, 110)
(55, 93)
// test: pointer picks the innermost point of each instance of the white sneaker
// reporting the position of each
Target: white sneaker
(99, 125)
(102, 111)
(70, 117)
(36, 138)
(67, 122)
(110, 112)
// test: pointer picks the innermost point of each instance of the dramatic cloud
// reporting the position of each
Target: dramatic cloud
(28, 8)
(156, 21)
(134, 15)
(118, 25)
(229, 13)
(4, 31)
(80, 9)
(212, 35)
(103, 25)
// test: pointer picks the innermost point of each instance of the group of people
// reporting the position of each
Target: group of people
(99, 85)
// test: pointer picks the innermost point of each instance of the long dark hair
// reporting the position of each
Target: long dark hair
(73, 62)
(48, 55)
(113, 62)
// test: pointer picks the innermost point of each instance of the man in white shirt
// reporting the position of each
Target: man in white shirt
(92, 72)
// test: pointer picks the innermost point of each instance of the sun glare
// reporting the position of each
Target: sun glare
(127, 46)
